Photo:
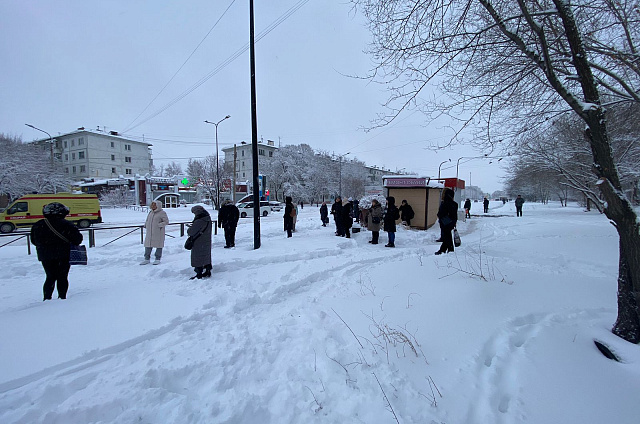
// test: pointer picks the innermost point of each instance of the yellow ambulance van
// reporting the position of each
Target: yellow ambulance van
(84, 210)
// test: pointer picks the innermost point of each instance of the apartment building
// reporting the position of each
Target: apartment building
(244, 161)
(100, 154)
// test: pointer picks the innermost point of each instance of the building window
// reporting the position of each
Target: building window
(243, 175)
(113, 170)
(66, 157)
(270, 154)
(127, 147)
(128, 171)
(73, 143)
(261, 152)
(73, 156)
(113, 144)
(73, 169)
(81, 141)
(113, 157)
(127, 159)
(80, 155)
(66, 170)
(242, 151)
(243, 164)
(65, 144)
(83, 168)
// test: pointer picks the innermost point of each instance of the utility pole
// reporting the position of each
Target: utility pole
(254, 132)
(235, 159)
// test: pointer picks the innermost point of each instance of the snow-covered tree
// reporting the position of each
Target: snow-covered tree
(507, 67)
(27, 168)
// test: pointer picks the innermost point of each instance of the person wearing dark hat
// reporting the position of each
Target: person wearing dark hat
(289, 214)
(200, 233)
(390, 217)
(336, 211)
(228, 217)
(447, 217)
(406, 212)
(53, 249)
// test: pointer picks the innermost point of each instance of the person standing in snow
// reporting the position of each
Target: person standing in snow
(356, 209)
(53, 237)
(467, 208)
(324, 214)
(200, 233)
(336, 211)
(406, 212)
(447, 217)
(390, 217)
(374, 218)
(519, 202)
(289, 214)
(155, 225)
(347, 219)
(485, 203)
(228, 217)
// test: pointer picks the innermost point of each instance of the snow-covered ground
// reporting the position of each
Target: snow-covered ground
(321, 329)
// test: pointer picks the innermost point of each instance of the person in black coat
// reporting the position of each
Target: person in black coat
(347, 219)
(406, 212)
(390, 217)
(467, 208)
(324, 214)
(447, 217)
(53, 250)
(289, 213)
(228, 217)
(336, 211)
(485, 203)
(200, 231)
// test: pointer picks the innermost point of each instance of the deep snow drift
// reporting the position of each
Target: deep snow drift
(322, 329)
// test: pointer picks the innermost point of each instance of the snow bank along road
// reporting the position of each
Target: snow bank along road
(322, 329)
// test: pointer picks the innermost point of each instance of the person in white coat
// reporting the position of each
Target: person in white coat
(155, 225)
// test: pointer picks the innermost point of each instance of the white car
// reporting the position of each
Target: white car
(275, 206)
(246, 209)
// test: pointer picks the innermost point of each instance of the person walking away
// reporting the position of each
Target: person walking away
(485, 202)
(347, 219)
(356, 209)
(53, 249)
(467, 208)
(324, 214)
(228, 217)
(447, 217)
(336, 211)
(406, 212)
(519, 202)
(155, 225)
(200, 232)
(375, 220)
(390, 218)
(301, 204)
(289, 213)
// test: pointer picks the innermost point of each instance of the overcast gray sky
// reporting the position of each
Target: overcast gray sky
(73, 63)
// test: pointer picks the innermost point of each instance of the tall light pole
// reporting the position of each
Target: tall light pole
(50, 139)
(217, 161)
(444, 161)
(340, 174)
(254, 130)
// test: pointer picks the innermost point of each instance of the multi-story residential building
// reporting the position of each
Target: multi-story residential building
(96, 154)
(244, 161)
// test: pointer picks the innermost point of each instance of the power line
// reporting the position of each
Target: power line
(182, 66)
(224, 64)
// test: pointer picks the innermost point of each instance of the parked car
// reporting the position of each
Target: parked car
(246, 209)
(276, 206)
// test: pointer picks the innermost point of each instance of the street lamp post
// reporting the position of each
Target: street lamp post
(340, 174)
(50, 139)
(217, 161)
(444, 161)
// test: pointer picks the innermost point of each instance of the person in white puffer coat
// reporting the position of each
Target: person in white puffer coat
(155, 225)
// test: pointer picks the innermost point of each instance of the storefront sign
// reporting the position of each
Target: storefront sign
(405, 182)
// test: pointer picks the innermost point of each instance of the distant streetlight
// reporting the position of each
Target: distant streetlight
(50, 139)
(340, 173)
(444, 161)
(217, 165)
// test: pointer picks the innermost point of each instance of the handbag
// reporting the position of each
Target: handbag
(77, 253)
(188, 243)
(375, 219)
(456, 238)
